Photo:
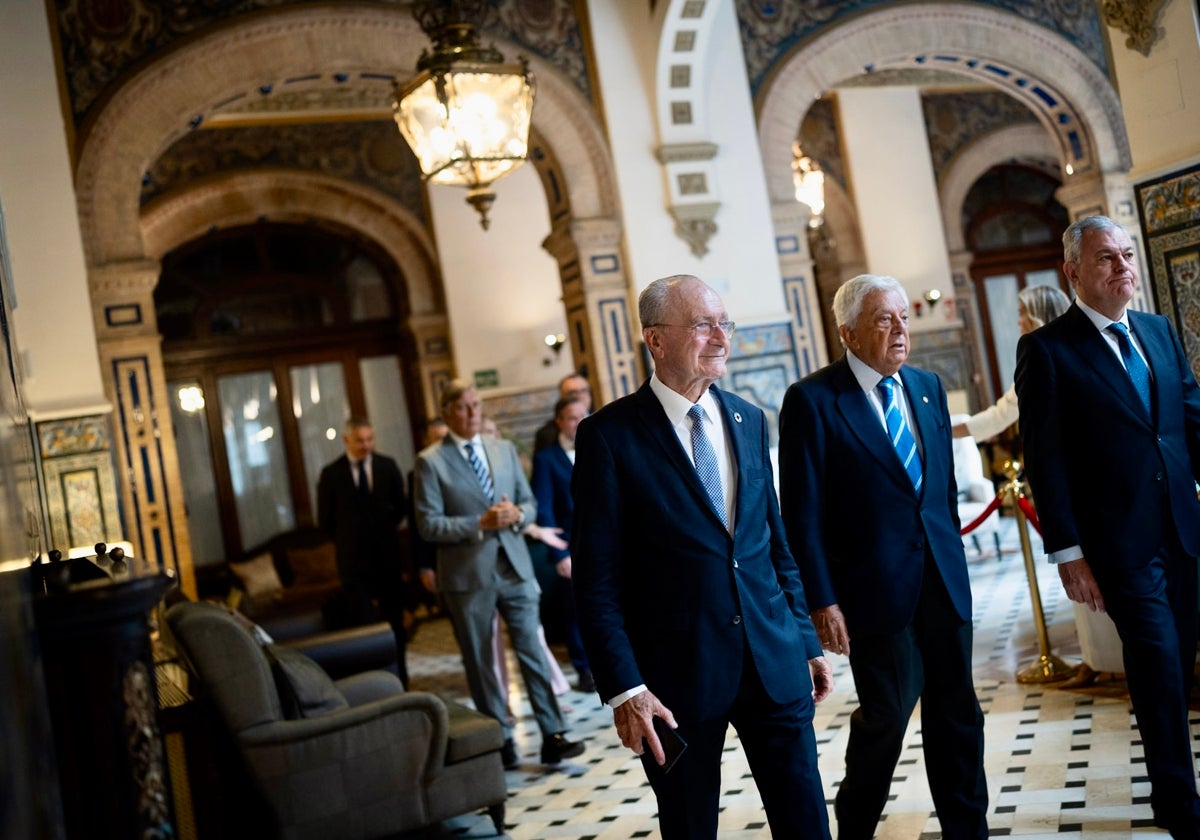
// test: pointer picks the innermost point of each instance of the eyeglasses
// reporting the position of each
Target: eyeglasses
(705, 328)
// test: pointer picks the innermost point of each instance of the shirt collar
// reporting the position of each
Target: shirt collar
(460, 442)
(868, 378)
(677, 406)
(1099, 320)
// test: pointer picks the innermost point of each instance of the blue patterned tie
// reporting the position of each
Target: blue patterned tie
(706, 463)
(902, 439)
(1135, 366)
(481, 472)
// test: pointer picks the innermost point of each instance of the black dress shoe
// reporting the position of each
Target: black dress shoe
(586, 682)
(557, 747)
(508, 754)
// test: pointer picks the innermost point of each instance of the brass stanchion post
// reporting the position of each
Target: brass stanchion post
(1047, 667)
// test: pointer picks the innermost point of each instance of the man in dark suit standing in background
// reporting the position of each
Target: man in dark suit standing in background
(472, 501)
(1110, 424)
(690, 604)
(571, 386)
(869, 500)
(360, 504)
(551, 483)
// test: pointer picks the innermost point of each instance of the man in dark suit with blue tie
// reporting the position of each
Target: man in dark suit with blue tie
(690, 604)
(1110, 425)
(870, 504)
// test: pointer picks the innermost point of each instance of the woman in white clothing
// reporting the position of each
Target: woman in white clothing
(1036, 305)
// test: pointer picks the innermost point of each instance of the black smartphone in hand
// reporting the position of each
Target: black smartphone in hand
(672, 743)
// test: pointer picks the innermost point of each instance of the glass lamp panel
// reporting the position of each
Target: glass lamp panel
(478, 134)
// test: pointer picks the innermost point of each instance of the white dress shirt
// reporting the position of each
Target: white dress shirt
(869, 379)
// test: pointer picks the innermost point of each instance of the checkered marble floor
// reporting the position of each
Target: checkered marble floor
(1059, 763)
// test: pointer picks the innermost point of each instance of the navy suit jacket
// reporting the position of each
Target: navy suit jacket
(665, 595)
(1106, 476)
(551, 484)
(857, 527)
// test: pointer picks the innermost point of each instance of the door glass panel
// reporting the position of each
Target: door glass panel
(388, 409)
(321, 408)
(255, 449)
(1045, 277)
(196, 472)
(1001, 291)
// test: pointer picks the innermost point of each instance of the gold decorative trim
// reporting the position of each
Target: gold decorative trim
(1136, 18)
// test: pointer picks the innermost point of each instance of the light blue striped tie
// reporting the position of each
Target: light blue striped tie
(902, 439)
(1135, 366)
(706, 463)
(481, 472)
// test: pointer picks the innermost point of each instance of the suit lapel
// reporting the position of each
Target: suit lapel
(855, 407)
(659, 428)
(1096, 353)
(456, 462)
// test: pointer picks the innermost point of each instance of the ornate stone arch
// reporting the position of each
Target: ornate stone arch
(1072, 98)
(189, 84)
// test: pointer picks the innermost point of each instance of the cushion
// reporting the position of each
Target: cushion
(258, 576)
(305, 690)
(313, 565)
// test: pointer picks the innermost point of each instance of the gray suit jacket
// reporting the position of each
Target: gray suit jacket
(449, 502)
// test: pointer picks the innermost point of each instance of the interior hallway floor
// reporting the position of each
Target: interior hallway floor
(1059, 763)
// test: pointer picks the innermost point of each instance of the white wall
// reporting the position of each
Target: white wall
(741, 262)
(53, 311)
(1160, 93)
(503, 292)
(887, 154)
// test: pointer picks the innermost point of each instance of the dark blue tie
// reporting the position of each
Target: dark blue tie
(1135, 366)
(363, 486)
(706, 463)
(902, 439)
(481, 472)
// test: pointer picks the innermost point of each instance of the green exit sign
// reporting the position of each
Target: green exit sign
(489, 378)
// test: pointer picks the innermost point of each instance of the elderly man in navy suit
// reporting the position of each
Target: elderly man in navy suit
(1110, 422)
(691, 607)
(869, 500)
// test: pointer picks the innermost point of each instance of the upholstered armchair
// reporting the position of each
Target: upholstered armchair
(355, 758)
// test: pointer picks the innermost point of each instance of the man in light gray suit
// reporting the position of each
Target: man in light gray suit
(472, 500)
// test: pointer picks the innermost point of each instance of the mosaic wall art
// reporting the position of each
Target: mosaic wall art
(1169, 209)
(81, 491)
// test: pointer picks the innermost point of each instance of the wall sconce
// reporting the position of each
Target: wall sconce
(932, 297)
(466, 114)
(555, 342)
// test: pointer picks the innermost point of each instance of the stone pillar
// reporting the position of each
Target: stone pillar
(800, 292)
(598, 305)
(434, 365)
(132, 368)
(979, 388)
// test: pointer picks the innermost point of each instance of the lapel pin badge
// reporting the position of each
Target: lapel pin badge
(737, 418)
(925, 399)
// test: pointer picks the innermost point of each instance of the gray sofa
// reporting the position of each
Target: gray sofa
(355, 758)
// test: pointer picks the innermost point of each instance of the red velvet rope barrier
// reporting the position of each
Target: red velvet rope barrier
(1030, 513)
(995, 503)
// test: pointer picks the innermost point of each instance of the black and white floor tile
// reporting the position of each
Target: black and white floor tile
(1060, 763)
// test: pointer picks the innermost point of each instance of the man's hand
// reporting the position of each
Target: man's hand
(429, 580)
(563, 567)
(1081, 587)
(503, 514)
(635, 720)
(831, 629)
(822, 678)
